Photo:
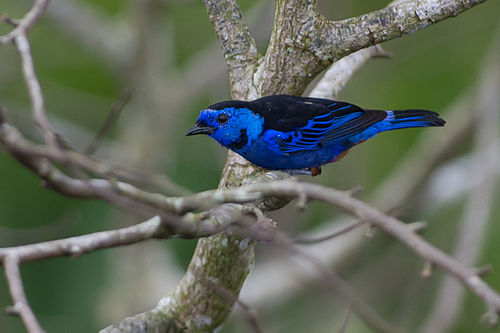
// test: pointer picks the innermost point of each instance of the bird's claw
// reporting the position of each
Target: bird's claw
(309, 171)
(293, 172)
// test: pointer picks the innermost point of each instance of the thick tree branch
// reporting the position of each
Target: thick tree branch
(396, 20)
(314, 42)
(236, 42)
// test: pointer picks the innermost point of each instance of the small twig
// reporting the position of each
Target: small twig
(345, 322)
(113, 115)
(427, 270)
(417, 226)
(484, 270)
(27, 22)
(4, 17)
(313, 240)
(21, 306)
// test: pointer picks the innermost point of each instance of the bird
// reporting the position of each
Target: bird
(298, 134)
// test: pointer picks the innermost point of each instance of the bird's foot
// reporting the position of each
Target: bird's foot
(309, 171)
(316, 171)
(293, 172)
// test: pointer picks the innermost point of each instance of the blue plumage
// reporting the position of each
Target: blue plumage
(284, 132)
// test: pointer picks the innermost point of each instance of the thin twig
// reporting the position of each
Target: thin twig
(312, 240)
(34, 90)
(347, 317)
(21, 306)
(113, 115)
(27, 22)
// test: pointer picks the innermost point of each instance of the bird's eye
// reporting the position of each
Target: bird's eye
(222, 118)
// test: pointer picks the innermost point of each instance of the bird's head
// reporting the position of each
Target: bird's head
(232, 125)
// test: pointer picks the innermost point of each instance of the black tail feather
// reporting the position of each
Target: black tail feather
(430, 117)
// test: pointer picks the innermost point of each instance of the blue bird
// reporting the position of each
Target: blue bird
(299, 134)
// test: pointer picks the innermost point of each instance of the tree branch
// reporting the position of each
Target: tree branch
(340, 72)
(27, 22)
(76, 246)
(300, 31)
(14, 141)
(21, 306)
(34, 89)
(396, 20)
(236, 42)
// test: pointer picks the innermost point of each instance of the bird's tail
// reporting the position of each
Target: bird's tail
(412, 118)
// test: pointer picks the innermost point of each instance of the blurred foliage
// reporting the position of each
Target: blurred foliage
(427, 70)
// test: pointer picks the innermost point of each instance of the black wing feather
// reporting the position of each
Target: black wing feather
(313, 122)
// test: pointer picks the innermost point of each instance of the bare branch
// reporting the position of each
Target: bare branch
(76, 246)
(113, 115)
(13, 140)
(191, 226)
(27, 22)
(21, 306)
(402, 232)
(337, 76)
(34, 89)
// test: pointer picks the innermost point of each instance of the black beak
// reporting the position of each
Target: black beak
(200, 129)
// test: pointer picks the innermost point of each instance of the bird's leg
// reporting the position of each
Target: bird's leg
(293, 172)
(316, 171)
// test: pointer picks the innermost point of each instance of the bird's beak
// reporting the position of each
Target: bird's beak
(200, 129)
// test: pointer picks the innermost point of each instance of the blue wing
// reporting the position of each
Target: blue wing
(340, 122)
